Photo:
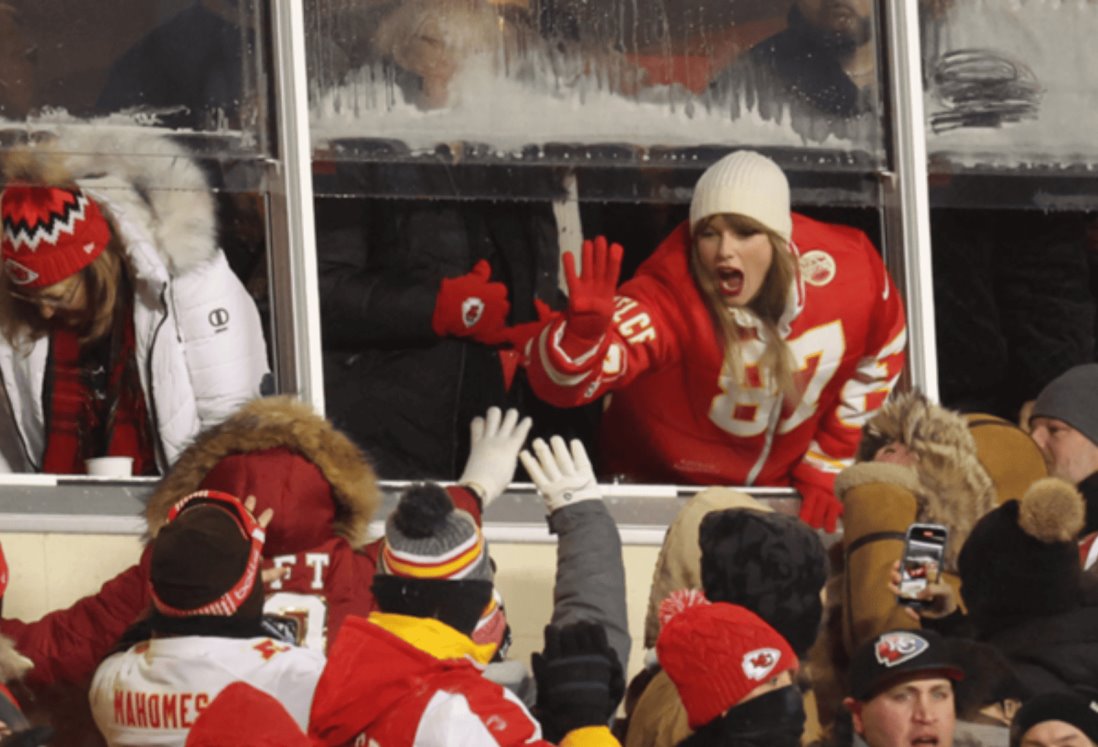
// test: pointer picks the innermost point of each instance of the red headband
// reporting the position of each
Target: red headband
(229, 602)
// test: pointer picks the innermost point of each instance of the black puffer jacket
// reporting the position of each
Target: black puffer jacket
(1012, 305)
(1055, 653)
(405, 395)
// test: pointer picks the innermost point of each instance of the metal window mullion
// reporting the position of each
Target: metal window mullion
(907, 200)
(295, 298)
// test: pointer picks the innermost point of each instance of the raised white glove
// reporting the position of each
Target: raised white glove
(493, 453)
(562, 478)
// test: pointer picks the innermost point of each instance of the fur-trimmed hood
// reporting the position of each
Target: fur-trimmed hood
(150, 187)
(950, 484)
(318, 483)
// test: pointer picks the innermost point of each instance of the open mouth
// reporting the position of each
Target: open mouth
(922, 740)
(729, 281)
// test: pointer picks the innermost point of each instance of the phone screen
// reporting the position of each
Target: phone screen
(922, 561)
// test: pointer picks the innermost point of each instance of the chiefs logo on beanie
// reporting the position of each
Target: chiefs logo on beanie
(50, 233)
(717, 653)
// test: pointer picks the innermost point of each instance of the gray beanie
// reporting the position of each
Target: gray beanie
(427, 538)
(1073, 398)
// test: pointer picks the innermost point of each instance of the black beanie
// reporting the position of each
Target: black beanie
(1072, 708)
(1021, 560)
(198, 557)
(770, 563)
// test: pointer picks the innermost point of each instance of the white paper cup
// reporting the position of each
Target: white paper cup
(114, 466)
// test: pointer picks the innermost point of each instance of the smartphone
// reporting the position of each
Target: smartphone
(921, 565)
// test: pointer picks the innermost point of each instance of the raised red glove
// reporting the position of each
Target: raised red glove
(591, 295)
(820, 509)
(472, 306)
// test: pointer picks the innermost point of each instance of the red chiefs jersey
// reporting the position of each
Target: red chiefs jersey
(677, 415)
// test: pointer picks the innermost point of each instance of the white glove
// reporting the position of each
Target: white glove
(562, 478)
(493, 453)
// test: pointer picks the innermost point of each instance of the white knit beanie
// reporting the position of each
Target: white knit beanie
(746, 183)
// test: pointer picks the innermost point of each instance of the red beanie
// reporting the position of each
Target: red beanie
(50, 233)
(717, 653)
(243, 716)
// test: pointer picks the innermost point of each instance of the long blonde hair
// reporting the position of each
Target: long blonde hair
(21, 323)
(777, 365)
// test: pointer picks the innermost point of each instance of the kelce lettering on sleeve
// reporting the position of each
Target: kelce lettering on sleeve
(158, 710)
(635, 326)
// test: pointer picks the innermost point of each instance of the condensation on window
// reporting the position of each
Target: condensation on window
(516, 75)
(1013, 83)
(188, 67)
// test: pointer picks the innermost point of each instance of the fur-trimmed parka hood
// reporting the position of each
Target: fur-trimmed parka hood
(950, 484)
(150, 187)
(293, 461)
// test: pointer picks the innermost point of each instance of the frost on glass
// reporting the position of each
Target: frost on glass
(530, 79)
(1013, 83)
(189, 67)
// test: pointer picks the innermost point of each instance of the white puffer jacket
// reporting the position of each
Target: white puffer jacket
(199, 342)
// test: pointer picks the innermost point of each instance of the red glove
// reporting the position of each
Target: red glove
(820, 509)
(590, 295)
(471, 306)
(518, 335)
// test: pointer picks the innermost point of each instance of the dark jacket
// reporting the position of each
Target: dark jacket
(1089, 489)
(405, 395)
(795, 70)
(1055, 653)
(1012, 304)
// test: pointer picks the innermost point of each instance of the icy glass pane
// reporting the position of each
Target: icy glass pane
(1012, 84)
(1011, 94)
(594, 82)
(189, 66)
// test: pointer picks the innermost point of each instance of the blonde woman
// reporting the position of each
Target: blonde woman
(123, 331)
(749, 349)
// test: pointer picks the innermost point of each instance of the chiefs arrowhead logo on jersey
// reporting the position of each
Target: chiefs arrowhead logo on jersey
(893, 649)
(472, 309)
(759, 663)
(817, 267)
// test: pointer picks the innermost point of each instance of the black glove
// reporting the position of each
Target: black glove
(579, 679)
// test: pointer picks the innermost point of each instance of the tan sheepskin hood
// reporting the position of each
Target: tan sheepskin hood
(679, 563)
(950, 484)
(292, 460)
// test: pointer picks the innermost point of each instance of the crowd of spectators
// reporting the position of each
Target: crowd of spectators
(755, 346)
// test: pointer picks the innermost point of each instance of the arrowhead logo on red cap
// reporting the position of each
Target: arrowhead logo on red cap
(759, 663)
(19, 274)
